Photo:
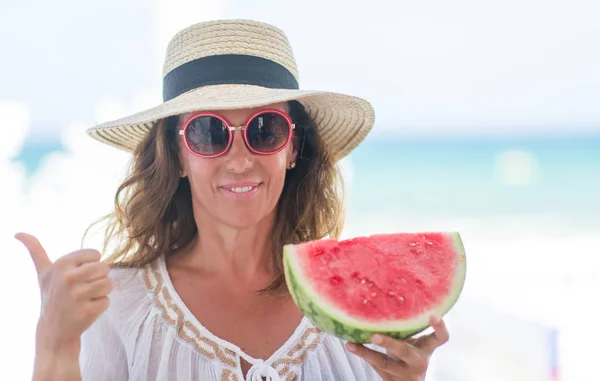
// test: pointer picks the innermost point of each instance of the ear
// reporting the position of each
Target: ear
(293, 150)
(182, 170)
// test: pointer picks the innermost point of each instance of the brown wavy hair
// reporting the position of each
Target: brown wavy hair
(153, 207)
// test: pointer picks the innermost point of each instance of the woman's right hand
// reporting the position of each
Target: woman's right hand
(74, 293)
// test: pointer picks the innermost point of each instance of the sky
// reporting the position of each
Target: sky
(430, 68)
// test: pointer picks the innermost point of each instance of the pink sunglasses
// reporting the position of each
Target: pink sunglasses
(209, 135)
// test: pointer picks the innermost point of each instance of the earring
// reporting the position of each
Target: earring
(292, 165)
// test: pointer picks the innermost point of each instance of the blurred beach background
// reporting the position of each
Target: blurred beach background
(488, 122)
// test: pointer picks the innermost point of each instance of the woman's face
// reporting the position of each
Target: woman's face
(239, 188)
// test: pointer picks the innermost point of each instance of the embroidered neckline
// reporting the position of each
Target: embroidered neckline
(286, 360)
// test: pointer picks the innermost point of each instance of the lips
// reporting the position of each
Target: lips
(241, 190)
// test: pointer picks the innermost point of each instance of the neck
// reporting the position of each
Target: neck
(238, 254)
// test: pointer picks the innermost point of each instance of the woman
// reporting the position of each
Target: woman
(235, 163)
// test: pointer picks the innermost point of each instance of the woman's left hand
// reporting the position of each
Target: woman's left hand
(406, 360)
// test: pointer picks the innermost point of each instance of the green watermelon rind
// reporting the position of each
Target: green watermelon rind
(332, 320)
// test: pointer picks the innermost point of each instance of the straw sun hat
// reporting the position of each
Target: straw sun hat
(230, 64)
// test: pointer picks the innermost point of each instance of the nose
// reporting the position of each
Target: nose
(239, 158)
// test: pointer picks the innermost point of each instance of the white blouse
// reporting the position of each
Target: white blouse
(148, 333)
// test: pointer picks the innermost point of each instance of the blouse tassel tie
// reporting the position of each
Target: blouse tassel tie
(261, 369)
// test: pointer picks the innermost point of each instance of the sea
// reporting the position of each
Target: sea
(528, 210)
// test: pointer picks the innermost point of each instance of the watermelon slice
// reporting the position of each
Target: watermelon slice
(384, 283)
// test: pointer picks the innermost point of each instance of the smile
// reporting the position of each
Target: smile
(241, 191)
(245, 189)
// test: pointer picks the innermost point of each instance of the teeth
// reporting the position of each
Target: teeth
(240, 189)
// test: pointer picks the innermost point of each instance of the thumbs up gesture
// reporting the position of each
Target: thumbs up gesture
(74, 292)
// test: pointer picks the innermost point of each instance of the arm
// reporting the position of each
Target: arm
(99, 355)
(56, 363)
(74, 293)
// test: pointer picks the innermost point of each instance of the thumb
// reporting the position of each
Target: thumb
(36, 250)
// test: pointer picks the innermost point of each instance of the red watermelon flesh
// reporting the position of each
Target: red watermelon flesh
(382, 283)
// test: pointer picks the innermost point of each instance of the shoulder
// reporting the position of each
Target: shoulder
(129, 305)
(127, 281)
(125, 277)
(130, 292)
(130, 298)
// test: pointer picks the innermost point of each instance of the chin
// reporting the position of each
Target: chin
(242, 220)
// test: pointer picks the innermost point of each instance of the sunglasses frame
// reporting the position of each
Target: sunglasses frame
(243, 129)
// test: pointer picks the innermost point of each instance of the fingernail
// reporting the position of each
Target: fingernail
(377, 339)
(351, 347)
(436, 320)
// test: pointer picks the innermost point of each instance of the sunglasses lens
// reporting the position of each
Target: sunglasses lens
(207, 135)
(268, 132)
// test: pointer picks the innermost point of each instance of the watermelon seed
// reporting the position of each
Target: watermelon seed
(391, 293)
(412, 244)
(403, 280)
(401, 298)
(363, 281)
(336, 279)
(374, 294)
(365, 301)
(370, 285)
(429, 243)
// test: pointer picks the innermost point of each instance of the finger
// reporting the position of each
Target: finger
(80, 257)
(412, 340)
(438, 337)
(96, 289)
(97, 306)
(39, 256)
(90, 271)
(402, 350)
(379, 361)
